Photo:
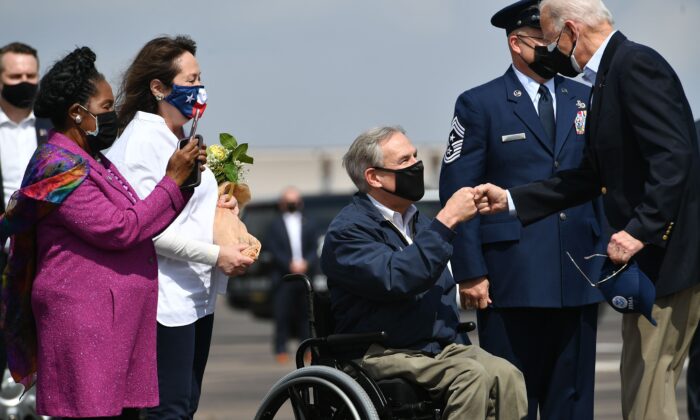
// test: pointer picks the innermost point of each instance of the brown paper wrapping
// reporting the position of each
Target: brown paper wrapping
(228, 228)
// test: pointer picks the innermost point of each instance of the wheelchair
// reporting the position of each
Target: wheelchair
(336, 388)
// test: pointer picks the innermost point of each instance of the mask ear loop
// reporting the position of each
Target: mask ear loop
(97, 126)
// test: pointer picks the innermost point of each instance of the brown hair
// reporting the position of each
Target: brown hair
(156, 60)
(17, 48)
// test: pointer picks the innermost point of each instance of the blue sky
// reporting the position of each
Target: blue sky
(315, 73)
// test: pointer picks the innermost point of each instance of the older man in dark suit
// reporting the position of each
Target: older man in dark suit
(642, 155)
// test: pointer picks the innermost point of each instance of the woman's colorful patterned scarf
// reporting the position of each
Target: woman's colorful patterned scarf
(52, 174)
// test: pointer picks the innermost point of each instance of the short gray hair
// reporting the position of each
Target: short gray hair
(365, 152)
(589, 12)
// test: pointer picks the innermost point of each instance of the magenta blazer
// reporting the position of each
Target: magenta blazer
(95, 293)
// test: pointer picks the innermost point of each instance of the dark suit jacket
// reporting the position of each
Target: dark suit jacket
(642, 155)
(504, 143)
(276, 243)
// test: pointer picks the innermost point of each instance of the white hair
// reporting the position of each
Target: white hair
(365, 152)
(589, 12)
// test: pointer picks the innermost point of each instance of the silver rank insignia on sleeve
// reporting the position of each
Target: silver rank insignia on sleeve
(454, 144)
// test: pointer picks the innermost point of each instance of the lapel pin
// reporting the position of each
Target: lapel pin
(517, 93)
(564, 90)
(580, 105)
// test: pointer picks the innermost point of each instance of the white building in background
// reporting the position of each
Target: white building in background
(318, 170)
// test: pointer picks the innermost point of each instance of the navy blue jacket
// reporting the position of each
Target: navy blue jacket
(497, 137)
(378, 282)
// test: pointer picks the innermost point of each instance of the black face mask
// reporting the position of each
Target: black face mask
(550, 59)
(409, 181)
(105, 132)
(539, 64)
(20, 95)
(291, 207)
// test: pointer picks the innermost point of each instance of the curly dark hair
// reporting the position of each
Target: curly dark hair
(70, 80)
(156, 60)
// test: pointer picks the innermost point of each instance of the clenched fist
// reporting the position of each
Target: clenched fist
(459, 208)
(491, 199)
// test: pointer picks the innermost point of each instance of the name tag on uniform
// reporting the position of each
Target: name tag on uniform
(512, 137)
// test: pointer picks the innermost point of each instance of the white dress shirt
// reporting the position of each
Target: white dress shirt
(17, 145)
(186, 289)
(402, 222)
(532, 88)
(292, 222)
(590, 71)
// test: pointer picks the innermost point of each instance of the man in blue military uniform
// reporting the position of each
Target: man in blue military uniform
(535, 309)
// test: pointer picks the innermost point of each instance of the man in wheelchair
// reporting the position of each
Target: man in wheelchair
(387, 271)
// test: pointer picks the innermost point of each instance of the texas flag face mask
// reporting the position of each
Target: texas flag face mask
(189, 100)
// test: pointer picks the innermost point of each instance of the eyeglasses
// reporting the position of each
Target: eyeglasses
(536, 38)
(608, 277)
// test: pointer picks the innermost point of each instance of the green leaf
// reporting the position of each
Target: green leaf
(245, 159)
(228, 141)
(238, 151)
(231, 173)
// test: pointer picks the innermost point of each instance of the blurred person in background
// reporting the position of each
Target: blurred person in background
(292, 244)
(161, 92)
(80, 291)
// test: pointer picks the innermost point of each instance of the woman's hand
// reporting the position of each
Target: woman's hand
(231, 261)
(180, 163)
(228, 201)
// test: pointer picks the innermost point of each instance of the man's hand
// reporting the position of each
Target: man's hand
(622, 247)
(459, 208)
(298, 267)
(490, 199)
(475, 293)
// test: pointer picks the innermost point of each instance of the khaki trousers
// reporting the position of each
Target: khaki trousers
(472, 383)
(653, 357)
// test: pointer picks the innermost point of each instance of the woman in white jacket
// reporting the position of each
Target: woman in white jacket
(160, 93)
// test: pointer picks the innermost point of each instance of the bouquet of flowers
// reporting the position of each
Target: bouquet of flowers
(226, 161)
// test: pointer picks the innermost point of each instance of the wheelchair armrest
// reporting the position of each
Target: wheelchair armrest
(337, 340)
(356, 338)
(465, 327)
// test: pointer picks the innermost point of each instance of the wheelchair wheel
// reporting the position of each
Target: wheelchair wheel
(317, 393)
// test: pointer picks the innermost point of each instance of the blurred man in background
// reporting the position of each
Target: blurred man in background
(292, 244)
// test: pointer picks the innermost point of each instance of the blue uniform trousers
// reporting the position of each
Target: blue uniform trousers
(555, 350)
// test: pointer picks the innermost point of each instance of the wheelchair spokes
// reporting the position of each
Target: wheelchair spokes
(316, 393)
